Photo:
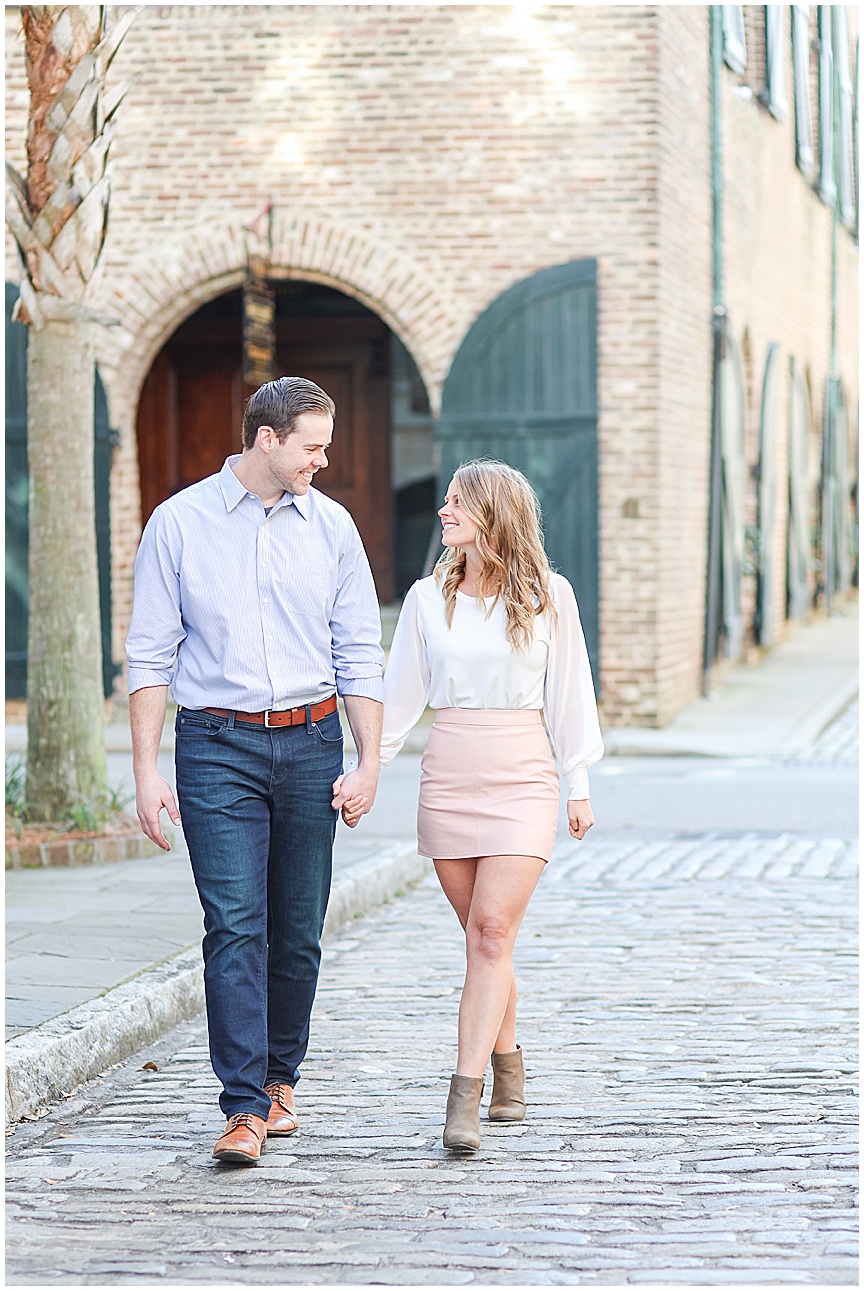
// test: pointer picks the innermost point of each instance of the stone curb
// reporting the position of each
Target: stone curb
(104, 850)
(47, 1063)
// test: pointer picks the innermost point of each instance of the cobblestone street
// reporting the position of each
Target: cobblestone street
(687, 1008)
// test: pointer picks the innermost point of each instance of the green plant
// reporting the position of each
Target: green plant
(84, 815)
(119, 799)
(16, 787)
(90, 814)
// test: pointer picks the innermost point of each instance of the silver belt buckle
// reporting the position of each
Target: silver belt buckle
(267, 712)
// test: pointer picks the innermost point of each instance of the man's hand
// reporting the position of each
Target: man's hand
(354, 794)
(580, 816)
(152, 794)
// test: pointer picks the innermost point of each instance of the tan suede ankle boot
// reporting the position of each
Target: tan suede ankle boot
(508, 1089)
(462, 1129)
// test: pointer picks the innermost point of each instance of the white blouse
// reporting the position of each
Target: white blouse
(473, 665)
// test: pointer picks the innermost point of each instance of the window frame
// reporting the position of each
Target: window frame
(827, 182)
(774, 95)
(845, 115)
(734, 37)
(805, 157)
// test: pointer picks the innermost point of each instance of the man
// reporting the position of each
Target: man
(255, 604)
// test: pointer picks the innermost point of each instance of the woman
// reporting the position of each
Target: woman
(488, 641)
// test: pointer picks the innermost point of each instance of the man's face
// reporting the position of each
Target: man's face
(294, 462)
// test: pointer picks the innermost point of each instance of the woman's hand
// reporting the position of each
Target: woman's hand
(352, 808)
(580, 816)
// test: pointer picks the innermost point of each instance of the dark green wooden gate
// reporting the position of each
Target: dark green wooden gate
(17, 485)
(523, 388)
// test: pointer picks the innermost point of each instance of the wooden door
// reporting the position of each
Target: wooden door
(349, 359)
(191, 411)
(189, 417)
(523, 388)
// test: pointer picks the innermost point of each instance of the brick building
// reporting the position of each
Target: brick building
(508, 229)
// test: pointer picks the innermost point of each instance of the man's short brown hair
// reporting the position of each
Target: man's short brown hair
(279, 403)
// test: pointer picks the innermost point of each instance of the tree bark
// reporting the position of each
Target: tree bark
(65, 705)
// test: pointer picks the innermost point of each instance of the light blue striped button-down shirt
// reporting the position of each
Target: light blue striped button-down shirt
(237, 609)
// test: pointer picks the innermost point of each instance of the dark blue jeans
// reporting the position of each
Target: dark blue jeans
(256, 812)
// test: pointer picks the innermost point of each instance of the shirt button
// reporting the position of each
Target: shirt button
(266, 602)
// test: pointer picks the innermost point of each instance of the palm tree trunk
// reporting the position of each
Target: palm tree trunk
(58, 216)
(65, 737)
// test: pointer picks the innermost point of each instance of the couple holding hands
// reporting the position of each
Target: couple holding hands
(255, 604)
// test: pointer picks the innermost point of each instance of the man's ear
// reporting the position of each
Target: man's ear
(266, 438)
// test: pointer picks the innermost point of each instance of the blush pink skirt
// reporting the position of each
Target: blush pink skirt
(488, 787)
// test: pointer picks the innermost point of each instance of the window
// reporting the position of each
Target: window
(774, 96)
(845, 177)
(803, 112)
(827, 189)
(734, 40)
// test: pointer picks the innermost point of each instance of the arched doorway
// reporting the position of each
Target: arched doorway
(381, 465)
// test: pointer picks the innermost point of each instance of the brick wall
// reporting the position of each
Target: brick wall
(424, 158)
(777, 254)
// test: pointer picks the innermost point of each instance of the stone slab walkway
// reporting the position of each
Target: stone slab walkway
(688, 1009)
(72, 934)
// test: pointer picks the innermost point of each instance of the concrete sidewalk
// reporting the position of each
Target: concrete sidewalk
(770, 708)
(102, 959)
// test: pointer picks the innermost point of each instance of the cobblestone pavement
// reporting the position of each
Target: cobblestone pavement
(687, 1017)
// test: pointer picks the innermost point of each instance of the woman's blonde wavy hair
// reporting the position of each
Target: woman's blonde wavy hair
(514, 565)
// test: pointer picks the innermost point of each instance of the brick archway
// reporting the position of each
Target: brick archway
(164, 285)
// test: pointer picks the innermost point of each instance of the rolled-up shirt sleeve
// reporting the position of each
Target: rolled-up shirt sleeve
(407, 683)
(570, 706)
(355, 624)
(156, 630)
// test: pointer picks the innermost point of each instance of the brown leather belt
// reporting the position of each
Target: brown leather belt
(287, 717)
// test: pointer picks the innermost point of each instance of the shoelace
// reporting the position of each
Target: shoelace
(275, 1092)
(238, 1119)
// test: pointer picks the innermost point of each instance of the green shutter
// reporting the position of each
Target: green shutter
(17, 491)
(763, 623)
(104, 441)
(17, 501)
(523, 388)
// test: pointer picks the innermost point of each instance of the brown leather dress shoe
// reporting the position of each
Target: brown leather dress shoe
(244, 1139)
(283, 1115)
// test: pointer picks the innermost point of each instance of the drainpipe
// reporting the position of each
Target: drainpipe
(718, 327)
(829, 499)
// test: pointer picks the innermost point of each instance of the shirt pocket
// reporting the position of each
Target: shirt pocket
(304, 589)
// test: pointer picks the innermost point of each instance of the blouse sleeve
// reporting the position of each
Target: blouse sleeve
(569, 705)
(406, 681)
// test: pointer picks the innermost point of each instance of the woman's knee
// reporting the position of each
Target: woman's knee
(489, 938)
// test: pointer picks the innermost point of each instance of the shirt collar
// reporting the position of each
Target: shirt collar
(234, 492)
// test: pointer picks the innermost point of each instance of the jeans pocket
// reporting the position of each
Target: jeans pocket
(329, 729)
(197, 728)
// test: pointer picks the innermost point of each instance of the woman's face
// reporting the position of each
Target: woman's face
(458, 529)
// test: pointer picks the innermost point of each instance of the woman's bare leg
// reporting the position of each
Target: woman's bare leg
(506, 1039)
(457, 880)
(500, 889)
